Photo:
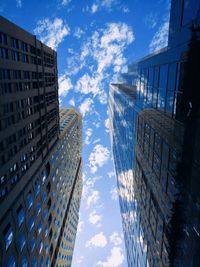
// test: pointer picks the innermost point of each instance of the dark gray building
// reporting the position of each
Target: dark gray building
(40, 158)
(155, 134)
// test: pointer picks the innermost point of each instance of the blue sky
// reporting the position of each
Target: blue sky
(95, 40)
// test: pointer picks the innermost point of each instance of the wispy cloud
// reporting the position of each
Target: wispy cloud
(151, 20)
(78, 33)
(52, 33)
(65, 85)
(72, 102)
(19, 3)
(88, 134)
(114, 193)
(160, 39)
(86, 106)
(98, 157)
(65, 2)
(93, 198)
(105, 50)
(98, 240)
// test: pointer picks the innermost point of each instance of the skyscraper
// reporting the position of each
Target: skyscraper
(40, 158)
(155, 138)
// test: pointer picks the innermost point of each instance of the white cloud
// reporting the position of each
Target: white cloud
(96, 141)
(19, 3)
(106, 123)
(151, 20)
(88, 134)
(116, 239)
(115, 259)
(99, 240)
(105, 48)
(92, 198)
(94, 8)
(78, 33)
(72, 102)
(86, 106)
(125, 9)
(80, 226)
(52, 33)
(65, 2)
(98, 157)
(94, 218)
(114, 193)
(160, 39)
(111, 174)
(65, 85)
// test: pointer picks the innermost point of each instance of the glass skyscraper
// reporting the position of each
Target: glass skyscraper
(155, 131)
(40, 156)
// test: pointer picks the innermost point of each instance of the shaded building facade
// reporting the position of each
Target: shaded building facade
(164, 108)
(40, 156)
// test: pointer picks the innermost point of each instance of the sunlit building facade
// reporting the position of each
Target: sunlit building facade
(40, 156)
(154, 125)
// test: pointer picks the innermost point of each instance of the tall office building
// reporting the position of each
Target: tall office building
(155, 129)
(40, 156)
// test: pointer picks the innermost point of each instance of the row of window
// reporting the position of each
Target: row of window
(7, 74)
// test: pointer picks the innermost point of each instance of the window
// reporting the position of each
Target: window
(24, 47)
(32, 244)
(20, 215)
(48, 262)
(15, 43)
(30, 200)
(3, 52)
(44, 196)
(38, 208)
(11, 261)
(31, 223)
(46, 230)
(45, 213)
(15, 55)
(190, 9)
(8, 235)
(24, 58)
(40, 246)
(39, 227)
(37, 187)
(34, 262)
(22, 241)
(162, 86)
(24, 262)
(3, 38)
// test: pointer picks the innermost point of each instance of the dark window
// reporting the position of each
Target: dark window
(3, 52)
(8, 236)
(3, 38)
(15, 55)
(162, 86)
(24, 262)
(22, 241)
(32, 244)
(155, 87)
(20, 215)
(24, 47)
(29, 200)
(11, 262)
(24, 58)
(31, 223)
(150, 85)
(15, 43)
(190, 10)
